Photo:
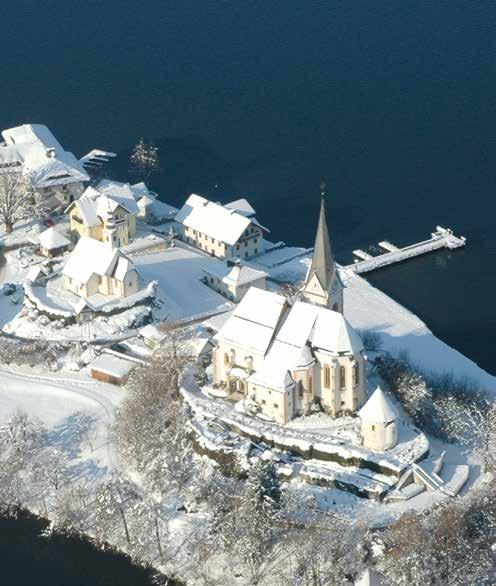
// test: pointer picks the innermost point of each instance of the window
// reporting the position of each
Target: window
(327, 376)
(342, 377)
(276, 406)
(300, 390)
(246, 243)
(356, 374)
(255, 251)
(263, 401)
(226, 359)
(237, 246)
(255, 241)
(310, 385)
(373, 428)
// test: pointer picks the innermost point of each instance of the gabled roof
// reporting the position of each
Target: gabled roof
(51, 239)
(41, 155)
(322, 265)
(378, 409)
(87, 209)
(254, 320)
(212, 219)
(121, 193)
(232, 273)
(242, 206)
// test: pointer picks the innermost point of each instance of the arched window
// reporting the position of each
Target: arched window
(310, 385)
(356, 374)
(342, 377)
(226, 358)
(335, 307)
(327, 376)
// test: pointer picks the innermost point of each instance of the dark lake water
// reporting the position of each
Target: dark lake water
(392, 102)
(31, 556)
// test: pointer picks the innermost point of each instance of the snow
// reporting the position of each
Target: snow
(178, 272)
(52, 238)
(261, 307)
(378, 409)
(212, 219)
(112, 365)
(235, 273)
(33, 143)
(241, 206)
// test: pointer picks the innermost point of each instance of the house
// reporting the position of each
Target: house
(232, 279)
(111, 369)
(152, 336)
(219, 230)
(289, 354)
(56, 174)
(53, 243)
(97, 267)
(109, 200)
(379, 422)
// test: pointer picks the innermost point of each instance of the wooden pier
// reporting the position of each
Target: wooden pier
(441, 238)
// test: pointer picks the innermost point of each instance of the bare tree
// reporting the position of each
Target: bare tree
(17, 198)
(112, 500)
(144, 160)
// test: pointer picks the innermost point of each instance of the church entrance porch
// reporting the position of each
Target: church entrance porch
(236, 384)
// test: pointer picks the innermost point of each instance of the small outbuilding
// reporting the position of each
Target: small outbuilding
(111, 369)
(232, 278)
(152, 336)
(379, 423)
(53, 243)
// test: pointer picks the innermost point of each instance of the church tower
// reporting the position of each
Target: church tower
(323, 285)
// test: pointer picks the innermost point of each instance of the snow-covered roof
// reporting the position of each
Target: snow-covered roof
(241, 206)
(41, 155)
(34, 272)
(212, 219)
(87, 209)
(140, 190)
(122, 193)
(234, 273)
(274, 373)
(325, 329)
(378, 409)
(151, 332)
(91, 256)
(112, 365)
(253, 321)
(52, 238)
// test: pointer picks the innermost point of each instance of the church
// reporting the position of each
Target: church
(290, 355)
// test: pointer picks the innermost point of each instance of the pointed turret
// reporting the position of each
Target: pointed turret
(322, 284)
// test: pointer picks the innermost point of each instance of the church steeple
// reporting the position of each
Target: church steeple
(322, 284)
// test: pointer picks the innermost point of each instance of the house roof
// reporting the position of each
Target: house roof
(112, 365)
(121, 193)
(212, 219)
(52, 238)
(41, 155)
(378, 409)
(242, 206)
(234, 273)
(151, 332)
(87, 209)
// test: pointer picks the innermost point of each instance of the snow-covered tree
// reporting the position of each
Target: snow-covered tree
(17, 198)
(113, 498)
(144, 160)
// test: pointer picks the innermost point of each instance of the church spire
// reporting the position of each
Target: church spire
(322, 284)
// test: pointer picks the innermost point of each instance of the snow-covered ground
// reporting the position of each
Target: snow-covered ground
(178, 271)
(58, 400)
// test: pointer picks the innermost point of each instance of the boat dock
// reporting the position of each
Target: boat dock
(441, 238)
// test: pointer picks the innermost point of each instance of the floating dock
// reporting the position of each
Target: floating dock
(441, 238)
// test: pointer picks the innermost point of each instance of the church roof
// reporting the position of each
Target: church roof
(378, 409)
(322, 265)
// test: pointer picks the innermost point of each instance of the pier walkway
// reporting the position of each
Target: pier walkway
(441, 238)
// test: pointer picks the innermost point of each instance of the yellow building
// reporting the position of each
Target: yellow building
(109, 201)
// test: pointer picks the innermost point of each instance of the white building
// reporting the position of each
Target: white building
(379, 422)
(53, 243)
(95, 267)
(222, 231)
(55, 173)
(232, 279)
(289, 354)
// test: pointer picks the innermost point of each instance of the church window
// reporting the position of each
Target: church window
(276, 406)
(327, 376)
(373, 428)
(300, 390)
(342, 377)
(310, 385)
(356, 374)
(226, 358)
